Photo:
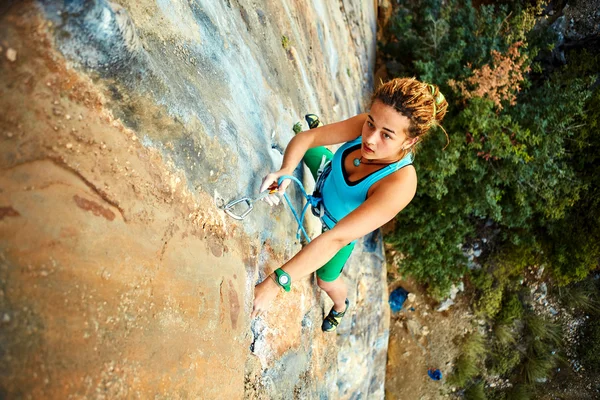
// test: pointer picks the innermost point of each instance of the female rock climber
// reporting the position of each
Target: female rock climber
(369, 180)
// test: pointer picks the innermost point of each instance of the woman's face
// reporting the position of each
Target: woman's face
(384, 134)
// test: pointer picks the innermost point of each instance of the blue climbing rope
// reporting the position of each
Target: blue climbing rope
(311, 200)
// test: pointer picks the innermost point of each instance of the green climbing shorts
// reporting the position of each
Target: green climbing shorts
(333, 269)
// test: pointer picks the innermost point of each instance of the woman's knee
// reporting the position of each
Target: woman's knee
(328, 286)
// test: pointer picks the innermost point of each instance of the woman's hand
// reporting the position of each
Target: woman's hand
(270, 182)
(264, 293)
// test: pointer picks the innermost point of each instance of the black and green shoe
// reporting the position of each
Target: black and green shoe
(333, 319)
(313, 121)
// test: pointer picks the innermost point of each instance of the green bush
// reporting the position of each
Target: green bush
(544, 329)
(472, 355)
(505, 335)
(520, 392)
(583, 296)
(297, 128)
(489, 302)
(537, 367)
(465, 368)
(571, 243)
(523, 157)
(506, 356)
(504, 360)
(496, 282)
(512, 309)
(589, 347)
(494, 295)
(543, 338)
(476, 392)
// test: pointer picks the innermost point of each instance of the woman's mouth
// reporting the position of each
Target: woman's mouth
(367, 149)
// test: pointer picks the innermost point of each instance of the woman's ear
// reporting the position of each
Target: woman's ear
(410, 142)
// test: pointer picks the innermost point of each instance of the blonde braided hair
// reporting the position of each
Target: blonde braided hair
(422, 103)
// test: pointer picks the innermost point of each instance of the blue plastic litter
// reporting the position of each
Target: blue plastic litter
(434, 374)
(397, 298)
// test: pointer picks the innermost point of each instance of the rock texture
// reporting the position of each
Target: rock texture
(124, 126)
(574, 25)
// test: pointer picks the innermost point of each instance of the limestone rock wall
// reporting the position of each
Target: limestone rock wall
(124, 126)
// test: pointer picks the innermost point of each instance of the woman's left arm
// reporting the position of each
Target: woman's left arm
(391, 195)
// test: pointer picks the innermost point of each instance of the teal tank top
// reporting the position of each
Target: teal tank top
(340, 196)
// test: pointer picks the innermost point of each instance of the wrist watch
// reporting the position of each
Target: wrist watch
(283, 279)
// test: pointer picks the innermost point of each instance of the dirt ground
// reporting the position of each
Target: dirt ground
(422, 338)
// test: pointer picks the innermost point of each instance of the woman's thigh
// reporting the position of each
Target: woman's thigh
(333, 269)
(314, 157)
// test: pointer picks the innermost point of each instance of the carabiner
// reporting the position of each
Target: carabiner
(228, 208)
(249, 202)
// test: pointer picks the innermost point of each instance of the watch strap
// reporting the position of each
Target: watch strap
(283, 279)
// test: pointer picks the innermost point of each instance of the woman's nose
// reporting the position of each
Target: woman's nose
(371, 137)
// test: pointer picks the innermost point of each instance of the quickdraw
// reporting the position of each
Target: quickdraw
(315, 201)
(228, 208)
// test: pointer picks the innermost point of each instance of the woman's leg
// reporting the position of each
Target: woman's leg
(330, 280)
(314, 157)
(337, 291)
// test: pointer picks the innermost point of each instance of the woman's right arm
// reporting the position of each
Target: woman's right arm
(338, 132)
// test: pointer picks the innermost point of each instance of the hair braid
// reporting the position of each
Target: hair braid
(422, 103)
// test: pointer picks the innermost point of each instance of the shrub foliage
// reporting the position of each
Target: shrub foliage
(520, 174)
(524, 141)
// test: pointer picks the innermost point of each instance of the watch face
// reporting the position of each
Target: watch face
(284, 280)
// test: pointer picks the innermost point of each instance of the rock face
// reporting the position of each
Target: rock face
(124, 126)
(575, 25)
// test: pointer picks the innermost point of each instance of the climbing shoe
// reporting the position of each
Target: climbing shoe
(313, 121)
(333, 319)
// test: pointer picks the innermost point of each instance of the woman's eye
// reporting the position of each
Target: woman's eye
(385, 135)
(370, 125)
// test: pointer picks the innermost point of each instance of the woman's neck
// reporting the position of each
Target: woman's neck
(367, 161)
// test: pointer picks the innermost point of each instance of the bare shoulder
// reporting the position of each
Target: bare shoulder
(402, 184)
(385, 200)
